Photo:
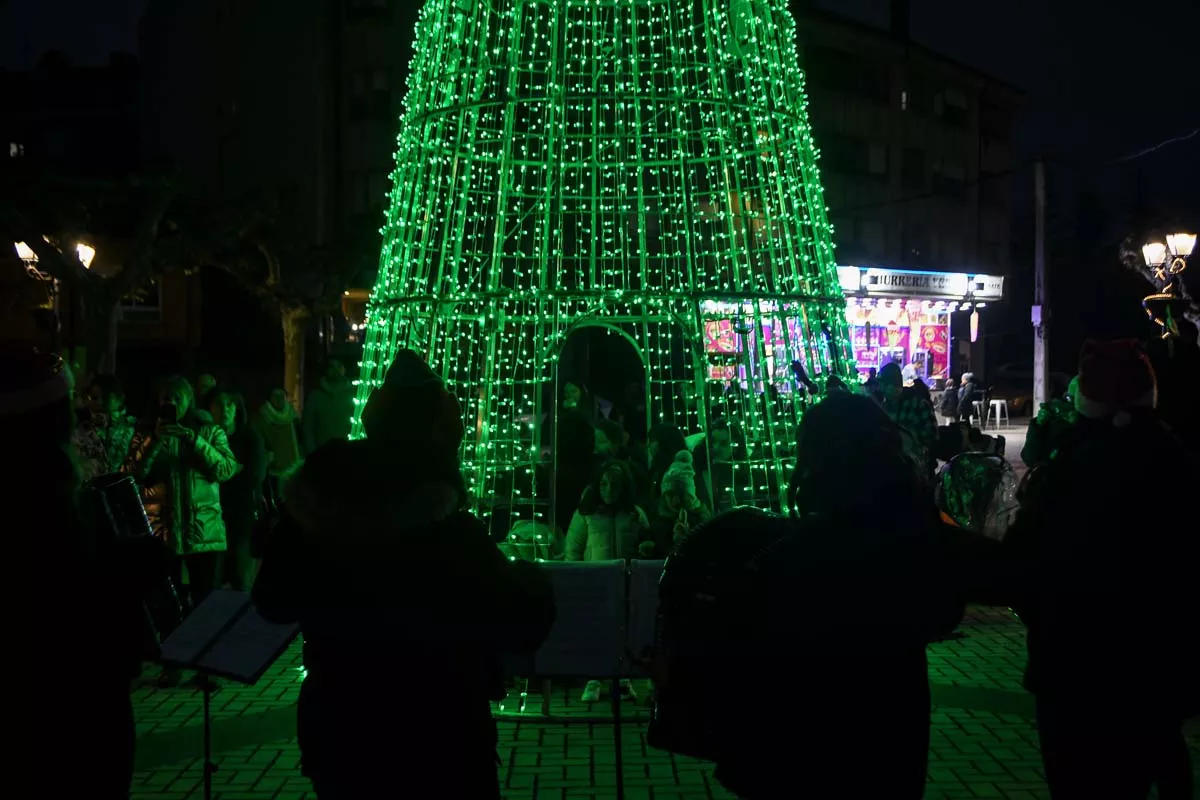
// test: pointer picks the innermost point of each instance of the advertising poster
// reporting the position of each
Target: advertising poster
(936, 339)
(719, 336)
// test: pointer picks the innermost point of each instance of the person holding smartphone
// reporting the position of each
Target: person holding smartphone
(180, 466)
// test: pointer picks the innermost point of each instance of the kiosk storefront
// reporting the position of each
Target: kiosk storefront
(907, 316)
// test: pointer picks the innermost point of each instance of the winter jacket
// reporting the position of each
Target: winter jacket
(1050, 430)
(603, 535)
(967, 395)
(1093, 533)
(278, 429)
(949, 405)
(327, 413)
(387, 576)
(103, 445)
(180, 485)
(805, 615)
(241, 495)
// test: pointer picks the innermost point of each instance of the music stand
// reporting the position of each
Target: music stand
(225, 637)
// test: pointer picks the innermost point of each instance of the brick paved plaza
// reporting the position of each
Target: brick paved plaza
(983, 741)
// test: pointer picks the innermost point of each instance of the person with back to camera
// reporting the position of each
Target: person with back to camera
(394, 583)
(865, 535)
(1096, 530)
(85, 637)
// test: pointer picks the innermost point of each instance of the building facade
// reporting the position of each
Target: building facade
(916, 156)
(299, 98)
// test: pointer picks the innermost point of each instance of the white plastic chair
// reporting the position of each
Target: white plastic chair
(999, 411)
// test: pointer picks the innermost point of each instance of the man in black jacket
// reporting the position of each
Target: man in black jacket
(397, 588)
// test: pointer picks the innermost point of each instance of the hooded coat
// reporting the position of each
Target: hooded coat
(327, 413)
(393, 586)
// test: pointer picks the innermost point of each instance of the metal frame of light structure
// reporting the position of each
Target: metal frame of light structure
(614, 163)
(1167, 262)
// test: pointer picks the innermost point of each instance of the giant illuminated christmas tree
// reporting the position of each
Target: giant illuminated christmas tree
(642, 165)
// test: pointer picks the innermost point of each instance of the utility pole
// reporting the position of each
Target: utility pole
(1041, 302)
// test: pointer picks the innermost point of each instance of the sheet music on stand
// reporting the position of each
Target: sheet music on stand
(643, 606)
(226, 637)
(587, 639)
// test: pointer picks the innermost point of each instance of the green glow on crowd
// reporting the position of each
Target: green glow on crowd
(645, 165)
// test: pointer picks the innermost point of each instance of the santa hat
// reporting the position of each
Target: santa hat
(680, 476)
(1114, 378)
(413, 406)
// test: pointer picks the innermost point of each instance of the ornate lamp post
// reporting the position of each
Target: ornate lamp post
(1167, 262)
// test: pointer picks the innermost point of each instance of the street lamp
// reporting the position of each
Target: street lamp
(1167, 261)
(84, 252)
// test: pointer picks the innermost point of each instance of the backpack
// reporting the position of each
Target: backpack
(701, 602)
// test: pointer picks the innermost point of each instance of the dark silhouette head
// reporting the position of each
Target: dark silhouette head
(850, 462)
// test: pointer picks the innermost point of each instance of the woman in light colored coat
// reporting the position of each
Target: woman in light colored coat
(607, 525)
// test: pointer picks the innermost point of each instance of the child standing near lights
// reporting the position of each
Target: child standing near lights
(608, 525)
(679, 510)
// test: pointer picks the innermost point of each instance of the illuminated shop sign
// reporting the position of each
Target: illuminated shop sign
(875, 282)
(914, 284)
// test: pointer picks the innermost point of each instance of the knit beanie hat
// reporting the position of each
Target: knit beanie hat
(1114, 378)
(680, 476)
(414, 407)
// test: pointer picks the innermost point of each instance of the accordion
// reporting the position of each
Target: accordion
(141, 556)
(699, 617)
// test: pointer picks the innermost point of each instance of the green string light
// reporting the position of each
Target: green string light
(644, 165)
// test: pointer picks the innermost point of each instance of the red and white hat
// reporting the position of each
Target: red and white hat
(1114, 378)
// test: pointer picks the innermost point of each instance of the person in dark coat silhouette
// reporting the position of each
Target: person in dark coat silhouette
(1095, 532)
(838, 614)
(94, 616)
(395, 585)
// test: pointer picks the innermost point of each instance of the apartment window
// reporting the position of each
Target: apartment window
(954, 107)
(871, 238)
(877, 159)
(950, 178)
(846, 72)
(917, 97)
(368, 192)
(916, 245)
(851, 155)
(950, 250)
(370, 95)
(912, 171)
(993, 190)
(995, 121)
(144, 306)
